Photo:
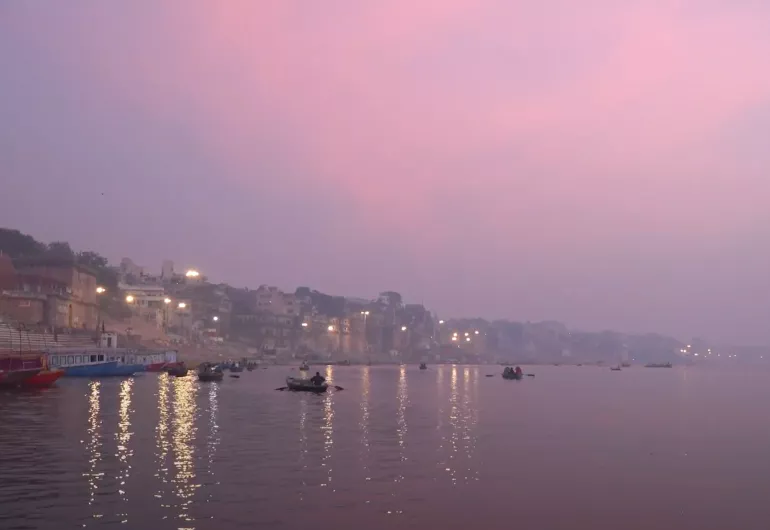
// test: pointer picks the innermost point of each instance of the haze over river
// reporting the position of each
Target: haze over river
(448, 447)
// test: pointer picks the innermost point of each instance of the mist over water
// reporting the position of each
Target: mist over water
(572, 448)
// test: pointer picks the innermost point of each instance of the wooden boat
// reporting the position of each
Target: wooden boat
(423, 366)
(208, 372)
(177, 370)
(42, 379)
(305, 385)
(510, 373)
(15, 370)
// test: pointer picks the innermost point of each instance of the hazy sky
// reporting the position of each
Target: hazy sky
(601, 162)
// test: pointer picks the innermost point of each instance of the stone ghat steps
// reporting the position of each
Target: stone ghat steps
(13, 340)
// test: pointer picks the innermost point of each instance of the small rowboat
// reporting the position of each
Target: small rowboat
(177, 370)
(423, 366)
(305, 385)
(208, 372)
(510, 373)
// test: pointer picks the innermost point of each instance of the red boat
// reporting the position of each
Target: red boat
(14, 370)
(155, 367)
(42, 379)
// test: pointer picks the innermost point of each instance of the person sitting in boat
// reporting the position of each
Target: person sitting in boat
(317, 379)
(518, 370)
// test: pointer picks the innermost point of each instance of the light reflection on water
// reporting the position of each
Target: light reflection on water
(162, 443)
(184, 432)
(94, 444)
(364, 423)
(328, 429)
(447, 447)
(403, 401)
(123, 437)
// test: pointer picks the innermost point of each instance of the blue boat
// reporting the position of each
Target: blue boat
(84, 363)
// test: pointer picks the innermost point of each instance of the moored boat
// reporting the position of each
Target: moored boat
(236, 367)
(82, 363)
(208, 372)
(658, 365)
(176, 370)
(15, 370)
(615, 368)
(42, 379)
(305, 385)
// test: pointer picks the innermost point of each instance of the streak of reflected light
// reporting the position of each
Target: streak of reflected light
(94, 444)
(123, 438)
(184, 435)
(403, 401)
(364, 424)
(454, 413)
(303, 449)
(162, 444)
(214, 438)
(469, 423)
(328, 429)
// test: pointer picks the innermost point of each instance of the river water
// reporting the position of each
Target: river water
(448, 447)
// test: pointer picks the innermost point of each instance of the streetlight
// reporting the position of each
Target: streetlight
(100, 290)
(215, 318)
(466, 333)
(304, 324)
(467, 339)
(167, 301)
(130, 299)
(330, 328)
(403, 328)
(476, 332)
(182, 305)
(440, 321)
(192, 273)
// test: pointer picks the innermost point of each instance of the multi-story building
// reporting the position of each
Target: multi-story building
(51, 292)
(275, 301)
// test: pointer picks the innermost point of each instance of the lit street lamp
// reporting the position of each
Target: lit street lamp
(304, 324)
(403, 328)
(100, 290)
(440, 321)
(330, 328)
(167, 301)
(182, 305)
(192, 273)
(215, 318)
(130, 299)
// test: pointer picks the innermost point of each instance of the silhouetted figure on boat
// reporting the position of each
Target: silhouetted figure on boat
(317, 379)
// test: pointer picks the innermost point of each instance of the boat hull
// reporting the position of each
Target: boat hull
(105, 369)
(16, 377)
(156, 367)
(43, 379)
(515, 377)
(211, 377)
(303, 385)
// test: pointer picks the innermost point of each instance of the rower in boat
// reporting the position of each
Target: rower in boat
(318, 379)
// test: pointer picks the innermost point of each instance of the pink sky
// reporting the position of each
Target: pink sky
(596, 162)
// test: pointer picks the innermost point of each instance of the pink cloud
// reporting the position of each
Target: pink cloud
(563, 124)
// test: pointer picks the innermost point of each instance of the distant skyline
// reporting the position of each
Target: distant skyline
(600, 163)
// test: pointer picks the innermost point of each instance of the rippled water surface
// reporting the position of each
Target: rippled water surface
(572, 448)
